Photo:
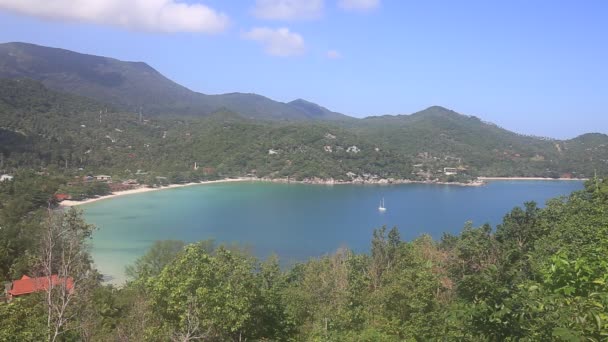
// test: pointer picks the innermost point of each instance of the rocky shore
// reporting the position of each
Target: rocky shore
(373, 181)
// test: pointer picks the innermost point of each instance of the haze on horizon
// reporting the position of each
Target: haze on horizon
(532, 67)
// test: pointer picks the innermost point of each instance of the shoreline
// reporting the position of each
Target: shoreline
(481, 181)
(382, 181)
(143, 189)
(530, 179)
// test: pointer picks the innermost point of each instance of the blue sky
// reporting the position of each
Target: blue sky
(535, 67)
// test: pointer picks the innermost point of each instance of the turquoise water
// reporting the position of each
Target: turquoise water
(297, 221)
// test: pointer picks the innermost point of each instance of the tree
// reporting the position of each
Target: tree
(156, 258)
(66, 266)
(384, 249)
(204, 295)
(23, 320)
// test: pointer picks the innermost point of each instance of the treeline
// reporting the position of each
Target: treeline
(75, 136)
(65, 134)
(540, 275)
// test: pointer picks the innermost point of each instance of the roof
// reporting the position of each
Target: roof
(62, 197)
(27, 285)
(6, 177)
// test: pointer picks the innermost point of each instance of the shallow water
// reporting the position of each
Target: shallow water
(297, 221)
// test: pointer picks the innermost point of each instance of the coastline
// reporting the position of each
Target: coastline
(142, 189)
(314, 181)
(481, 181)
(381, 181)
(530, 179)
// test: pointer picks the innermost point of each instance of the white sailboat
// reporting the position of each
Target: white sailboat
(382, 207)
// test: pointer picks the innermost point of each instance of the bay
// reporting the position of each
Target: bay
(297, 221)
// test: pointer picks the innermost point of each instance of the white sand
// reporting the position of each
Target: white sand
(142, 189)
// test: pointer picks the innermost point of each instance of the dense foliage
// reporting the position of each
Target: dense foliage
(74, 136)
(437, 137)
(539, 275)
(135, 85)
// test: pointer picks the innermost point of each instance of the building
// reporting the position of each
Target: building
(62, 197)
(27, 285)
(450, 171)
(103, 178)
(5, 178)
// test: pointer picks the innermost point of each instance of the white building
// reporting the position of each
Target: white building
(103, 178)
(6, 178)
(449, 171)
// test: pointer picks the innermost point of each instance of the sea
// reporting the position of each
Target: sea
(297, 221)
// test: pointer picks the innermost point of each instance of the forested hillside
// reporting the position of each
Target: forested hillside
(541, 275)
(438, 134)
(135, 85)
(44, 129)
(59, 124)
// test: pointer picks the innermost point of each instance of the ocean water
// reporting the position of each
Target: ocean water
(297, 221)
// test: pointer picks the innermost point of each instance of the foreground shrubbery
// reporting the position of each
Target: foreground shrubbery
(540, 275)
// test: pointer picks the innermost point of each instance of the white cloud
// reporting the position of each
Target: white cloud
(288, 9)
(359, 5)
(333, 54)
(280, 42)
(142, 15)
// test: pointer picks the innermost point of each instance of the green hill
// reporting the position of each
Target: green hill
(437, 136)
(41, 127)
(135, 85)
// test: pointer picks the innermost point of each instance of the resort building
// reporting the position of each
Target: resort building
(103, 178)
(27, 285)
(449, 171)
(62, 197)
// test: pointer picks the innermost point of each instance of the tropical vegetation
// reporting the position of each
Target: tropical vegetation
(539, 275)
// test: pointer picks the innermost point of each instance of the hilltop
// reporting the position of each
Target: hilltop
(40, 127)
(74, 110)
(135, 86)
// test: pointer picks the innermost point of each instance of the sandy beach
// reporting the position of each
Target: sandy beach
(142, 189)
(531, 178)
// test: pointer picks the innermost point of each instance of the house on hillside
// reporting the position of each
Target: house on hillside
(27, 285)
(450, 171)
(103, 178)
(62, 197)
(6, 178)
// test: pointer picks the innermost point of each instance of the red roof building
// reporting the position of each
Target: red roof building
(27, 285)
(62, 197)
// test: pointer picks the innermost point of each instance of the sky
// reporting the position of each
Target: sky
(535, 67)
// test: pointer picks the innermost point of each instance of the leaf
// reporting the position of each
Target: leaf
(565, 334)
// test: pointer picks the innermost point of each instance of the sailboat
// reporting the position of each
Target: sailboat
(382, 207)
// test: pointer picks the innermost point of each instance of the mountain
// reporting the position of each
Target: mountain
(39, 126)
(135, 85)
(44, 128)
(313, 110)
(438, 137)
(67, 87)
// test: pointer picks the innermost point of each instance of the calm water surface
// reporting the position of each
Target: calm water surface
(297, 221)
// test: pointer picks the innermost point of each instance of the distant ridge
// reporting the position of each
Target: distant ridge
(40, 126)
(135, 85)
